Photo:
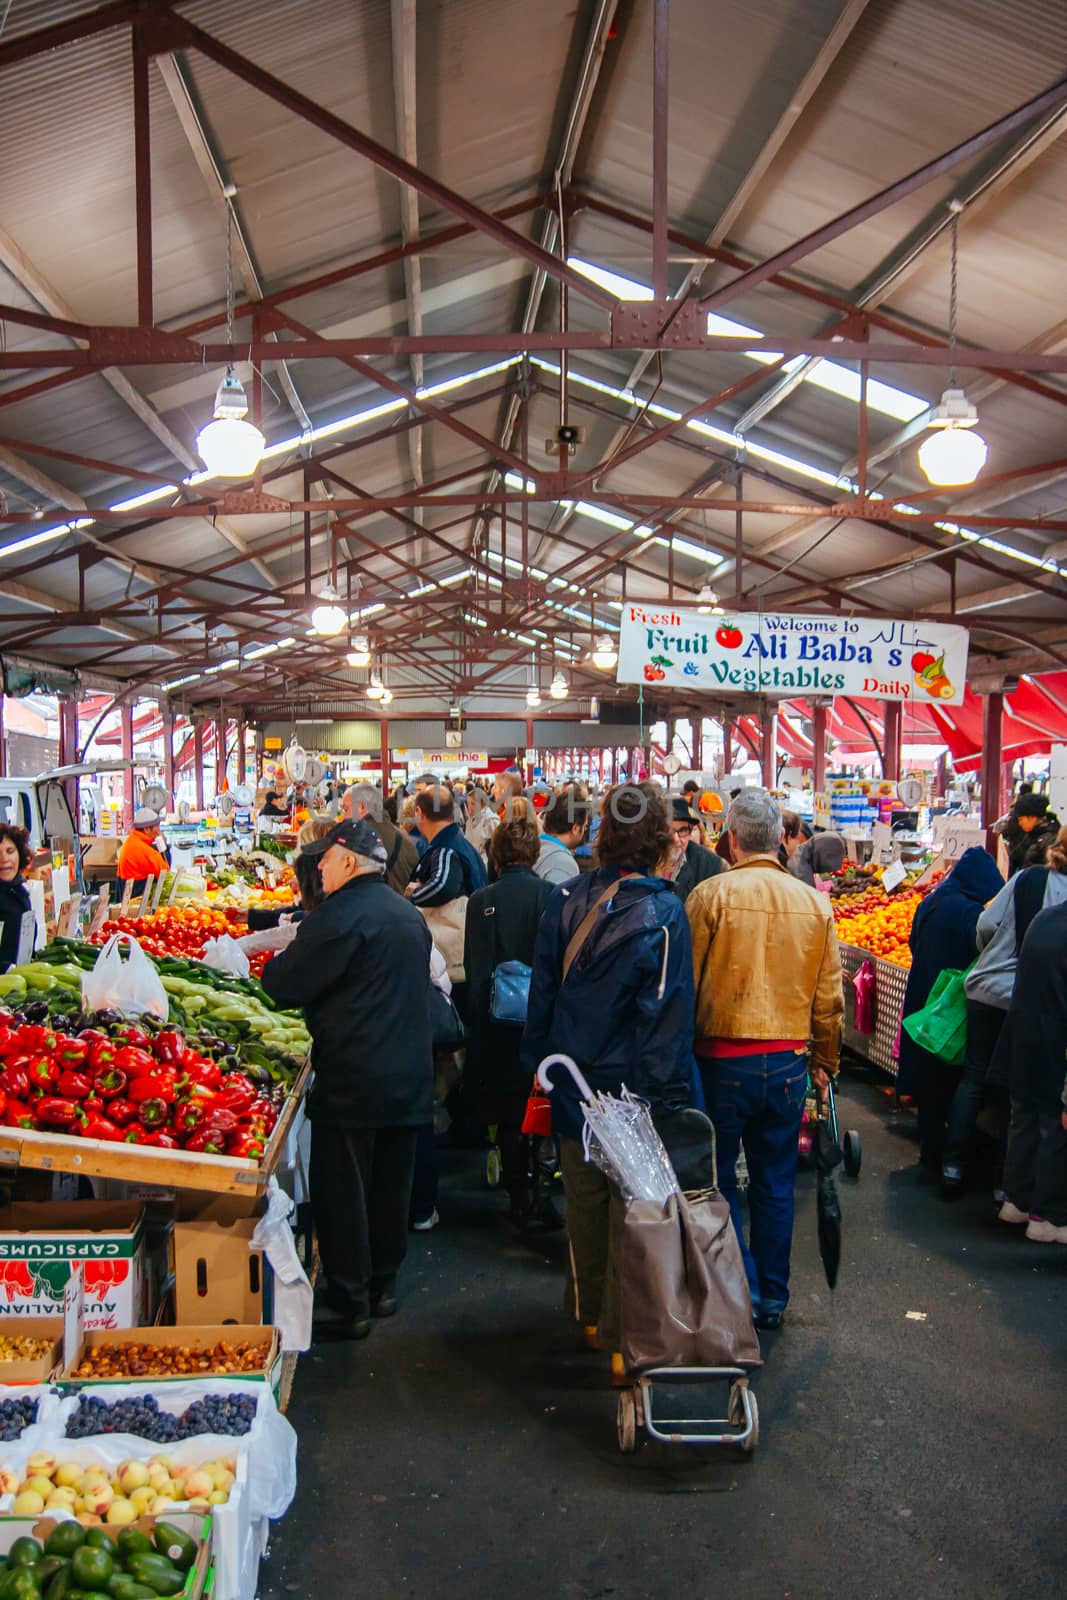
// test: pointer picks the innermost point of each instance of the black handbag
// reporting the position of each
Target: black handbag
(446, 1024)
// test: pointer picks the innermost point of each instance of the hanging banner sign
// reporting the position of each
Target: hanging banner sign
(787, 654)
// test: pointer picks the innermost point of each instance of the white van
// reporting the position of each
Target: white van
(40, 804)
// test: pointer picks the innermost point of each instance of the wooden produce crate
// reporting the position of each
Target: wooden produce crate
(889, 986)
(132, 1163)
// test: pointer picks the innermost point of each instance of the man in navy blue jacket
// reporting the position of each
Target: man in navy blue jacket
(451, 868)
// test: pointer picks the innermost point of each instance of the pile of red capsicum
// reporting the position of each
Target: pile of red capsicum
(126, 1083)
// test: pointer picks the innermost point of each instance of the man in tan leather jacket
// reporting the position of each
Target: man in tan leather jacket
(768, 985)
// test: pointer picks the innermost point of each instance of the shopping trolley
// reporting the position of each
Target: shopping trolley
(647, 1405)
(826, 1110)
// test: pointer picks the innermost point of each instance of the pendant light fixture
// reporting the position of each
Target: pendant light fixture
(605, 655)
(359, 651)
(533, 696)
(559, 688)
(375, 688)
(228, 445)
(386, 697)
(954, 453)
(329, 616)
(708, 601)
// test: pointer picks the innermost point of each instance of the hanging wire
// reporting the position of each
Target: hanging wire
(955, 207)
(229, 272)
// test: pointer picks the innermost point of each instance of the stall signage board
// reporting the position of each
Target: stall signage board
(786, 654)
(272, 742)
(456, 758)
(954, 835)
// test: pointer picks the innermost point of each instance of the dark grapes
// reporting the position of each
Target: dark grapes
(140, 1414)
(15, 1415)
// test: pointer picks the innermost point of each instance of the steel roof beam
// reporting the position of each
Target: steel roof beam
(178, 84)
(402, 31)
(1003, 169)
(1051, 99)
(174, 32)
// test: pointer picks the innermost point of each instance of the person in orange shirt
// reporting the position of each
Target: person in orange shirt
(140, 857)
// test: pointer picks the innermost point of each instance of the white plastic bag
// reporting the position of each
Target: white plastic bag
(278, 938)
(293, 1297)
(132, 986)
(226, 955)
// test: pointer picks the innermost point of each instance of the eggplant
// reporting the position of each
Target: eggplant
(107, 1016)
(36, 1011)
(17, 1019)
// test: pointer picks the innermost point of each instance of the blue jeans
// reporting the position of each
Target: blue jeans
(759, 1100)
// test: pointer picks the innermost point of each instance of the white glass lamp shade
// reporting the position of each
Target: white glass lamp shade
(605, 655)
(952, 455)
(533, 697)
(558, 688)
(329, 617)
(230, 447)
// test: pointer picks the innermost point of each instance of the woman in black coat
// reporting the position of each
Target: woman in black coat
(15, 858)
(502, 922)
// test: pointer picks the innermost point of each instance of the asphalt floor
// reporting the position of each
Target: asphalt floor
(913, 1422)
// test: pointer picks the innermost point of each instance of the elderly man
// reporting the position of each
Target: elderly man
(363, 803)
(768, 983)
(360, 969)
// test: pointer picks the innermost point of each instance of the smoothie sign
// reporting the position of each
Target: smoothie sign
(788, 654)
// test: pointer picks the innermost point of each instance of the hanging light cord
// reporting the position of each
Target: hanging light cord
(229, 273)
(953, 293)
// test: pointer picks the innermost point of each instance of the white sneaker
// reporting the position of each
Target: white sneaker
(427, 1222)
(1043, 1232)
(1011, 1213)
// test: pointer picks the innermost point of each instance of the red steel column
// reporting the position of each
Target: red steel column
(3, 741)
(220, 754)
(818, 776)
(68, 749)
(660, 128)
(769, 724)
(386, 757)
(167, 717)
(126, 735)
(198, 760)
(241, 765)
(893, 721)
(727, 746)
(528, 764)
(992, 764)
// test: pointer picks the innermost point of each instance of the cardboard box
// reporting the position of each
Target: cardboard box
(192, 1338)
(42, 1369)
(103, 851)
(38, 1243)
(217, 1276)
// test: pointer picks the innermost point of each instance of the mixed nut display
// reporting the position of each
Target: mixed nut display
(133, 1360)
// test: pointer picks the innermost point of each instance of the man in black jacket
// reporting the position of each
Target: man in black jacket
(360, 969)
(690, 862)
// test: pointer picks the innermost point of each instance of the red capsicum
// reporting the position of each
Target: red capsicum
(159, 1085)
(236, 1093)
(161, 1141)
(122, 1111)
(206, 1142)
(221, 1120)
(6, 1037)
(72, 1052)
(208, 1074)
(102, 1054)
(15, 1082)
(135, 1135)
(169, 1047)
(19, 1115)
(74, 1085)
(3, 1104)
(134, 1061)
(43, 1071)
(93, 1103)
(246, 1146)
(153, 1113)
(59, 1113)
(36, 1037)
(189, 1116)
(135, 1037)
(98, 1127)
(110, 1082)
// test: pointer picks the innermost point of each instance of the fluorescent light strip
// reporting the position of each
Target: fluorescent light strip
(176, 683)
(828, 375)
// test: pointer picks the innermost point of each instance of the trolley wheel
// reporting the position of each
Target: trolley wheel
(626, 1422)
(852, 1149)
(753, 1439)
(736, 1411)
(494, 1168)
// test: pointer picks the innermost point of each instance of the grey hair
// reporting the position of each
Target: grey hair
(756, 818)
(365, 794)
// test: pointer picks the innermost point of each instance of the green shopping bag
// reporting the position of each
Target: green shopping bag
(940, 1026)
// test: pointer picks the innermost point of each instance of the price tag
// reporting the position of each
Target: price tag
(261, 872)
(68, 916)
(127, 895)
(100, 910)
(955, 840)
(27, 938)
(157, 890)
(73, 1315)
(35, 890)
(894, 876)
(881, 839)
(60, 888)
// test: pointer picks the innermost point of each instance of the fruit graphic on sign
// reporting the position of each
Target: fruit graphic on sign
(728, 636)
(654, 672)
(930, 675)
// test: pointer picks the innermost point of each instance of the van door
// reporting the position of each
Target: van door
(56, 818)
(19, 808)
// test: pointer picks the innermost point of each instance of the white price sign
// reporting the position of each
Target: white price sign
(954, 835)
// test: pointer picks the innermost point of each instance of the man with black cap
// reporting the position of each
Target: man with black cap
(1029, 831)
(689, 862)
(359, 968)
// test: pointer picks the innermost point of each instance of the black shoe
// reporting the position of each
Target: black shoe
(383, 1305)
(768, 1321)
(951, 1177)
(333, 1324)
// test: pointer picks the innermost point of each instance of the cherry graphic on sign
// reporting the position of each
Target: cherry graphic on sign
(728, 636)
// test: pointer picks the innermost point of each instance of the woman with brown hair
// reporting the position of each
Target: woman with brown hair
(612, 988)
(15, 859)
(502, 923)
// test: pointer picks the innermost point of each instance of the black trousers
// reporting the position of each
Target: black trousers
(983, 1030)
(360, 1180)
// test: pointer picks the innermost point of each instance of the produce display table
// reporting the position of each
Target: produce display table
(890, 983)
(170, 1169)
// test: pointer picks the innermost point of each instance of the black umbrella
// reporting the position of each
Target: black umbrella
(827, 1153)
